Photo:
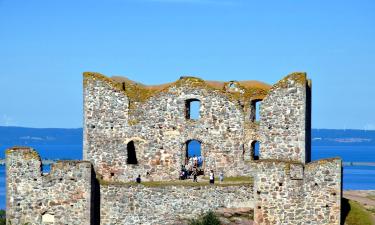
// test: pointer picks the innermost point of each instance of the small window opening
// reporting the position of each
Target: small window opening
(232, 85)
(112, 174)
(192, 109)
(132, 157)
(255, 150)
(255, 110)
(193, 155)
(46, 168)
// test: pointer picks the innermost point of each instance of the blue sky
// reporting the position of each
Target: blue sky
(46, 45)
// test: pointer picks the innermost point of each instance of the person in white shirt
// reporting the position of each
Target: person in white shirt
(212, 177)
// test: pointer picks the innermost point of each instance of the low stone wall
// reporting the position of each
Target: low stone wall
(138, 204)
(292, 193)
(61, 197)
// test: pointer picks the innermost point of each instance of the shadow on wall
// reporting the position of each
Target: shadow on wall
(345, 209)
(95, 199)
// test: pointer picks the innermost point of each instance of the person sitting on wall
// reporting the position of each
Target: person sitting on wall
(212, 177)
(200, 161)
(195, 160)
(138, 179)
(182, 175)
(191, 161)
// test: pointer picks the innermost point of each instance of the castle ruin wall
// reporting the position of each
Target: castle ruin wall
(138, 204)
(294, 193)
(283, 120)
(61, 197)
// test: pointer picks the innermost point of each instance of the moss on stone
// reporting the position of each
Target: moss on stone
(281, 161)
(298, 77)
(138, 93)
(322, 162)
(28, 152)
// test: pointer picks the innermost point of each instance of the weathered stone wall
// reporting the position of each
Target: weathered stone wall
(61, 197)
(118, 112)
(285, 112)
(138, 204)
(158, 126)
(293, 193)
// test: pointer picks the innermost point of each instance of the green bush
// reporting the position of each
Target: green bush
(208, 219)
(2, 217)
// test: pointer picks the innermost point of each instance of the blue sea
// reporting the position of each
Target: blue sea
(355, 177)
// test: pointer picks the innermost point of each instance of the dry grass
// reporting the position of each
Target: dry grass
(229, 181)
(358, 215)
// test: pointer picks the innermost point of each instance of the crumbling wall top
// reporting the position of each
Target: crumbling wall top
(138, 92)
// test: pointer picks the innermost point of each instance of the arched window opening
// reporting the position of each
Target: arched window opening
(132, 156)
(192, 109)
(46, 168)
(255, 150)
(255, 110)
(193, 153)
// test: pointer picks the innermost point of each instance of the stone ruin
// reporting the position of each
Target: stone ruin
(131, 129)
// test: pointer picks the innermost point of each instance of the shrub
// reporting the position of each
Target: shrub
(2, 217)
(209, 218)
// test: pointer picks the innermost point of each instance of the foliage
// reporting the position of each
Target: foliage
(358, 215)
(2, 217)
(208, 219)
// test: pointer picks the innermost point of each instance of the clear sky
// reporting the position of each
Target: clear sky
(45, 45)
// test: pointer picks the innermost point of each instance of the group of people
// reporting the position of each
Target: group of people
(190, 171)
(193, 169)
(195, 161)
(212, 177)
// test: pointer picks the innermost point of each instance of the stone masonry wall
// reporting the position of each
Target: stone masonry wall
(137, 204)
(290, 193)
(61, 197)
(160, 130)
(284, 114)
(120, 112)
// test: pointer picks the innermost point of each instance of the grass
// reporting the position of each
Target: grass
(372, 197)
(233, 179)
(228, 181)
(358, 215)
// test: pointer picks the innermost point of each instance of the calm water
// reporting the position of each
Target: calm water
(355, 177)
